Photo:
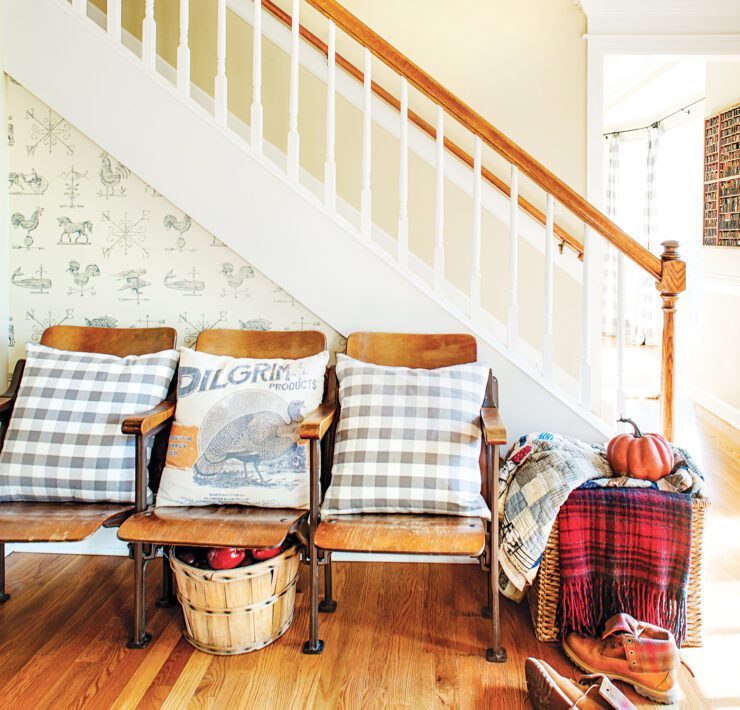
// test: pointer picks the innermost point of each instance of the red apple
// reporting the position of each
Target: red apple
(186, 555)
(225, 557)
(266, 553)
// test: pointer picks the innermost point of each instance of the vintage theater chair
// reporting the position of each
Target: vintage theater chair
(406, 533)
(74, 521)
(214, 526)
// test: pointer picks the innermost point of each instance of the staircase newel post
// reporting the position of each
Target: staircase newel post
(672, 282)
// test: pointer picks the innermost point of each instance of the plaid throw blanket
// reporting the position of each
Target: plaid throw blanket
(624, 551)
(538, 475)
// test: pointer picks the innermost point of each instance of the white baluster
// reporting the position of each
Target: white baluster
(113, 24)
(366, 216)
(80, 6)
(293, 139)
(475, 272)
(330, 165)
(149, 36)
(513, 314)
(586, 295)
(439, 202)
(183, 50)
(403, 178)
(256, 115)
(220, 86)
(621, 318)
(547, 346)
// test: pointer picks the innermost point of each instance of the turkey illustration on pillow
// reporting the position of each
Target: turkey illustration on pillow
(236, 436)
(254, 438)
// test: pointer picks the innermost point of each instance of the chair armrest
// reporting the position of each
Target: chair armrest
(315, 424)
(6, 404)
(494, 430)
(142, 424)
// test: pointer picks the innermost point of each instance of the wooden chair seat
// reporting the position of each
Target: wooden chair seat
(211, 526)
(402, 533)
(57, 522)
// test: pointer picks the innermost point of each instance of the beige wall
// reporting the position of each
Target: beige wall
(717, 374)
(535, 91)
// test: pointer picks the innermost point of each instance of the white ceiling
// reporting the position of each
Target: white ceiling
(641, 89)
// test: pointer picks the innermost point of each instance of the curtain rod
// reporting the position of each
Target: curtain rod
(657, 123)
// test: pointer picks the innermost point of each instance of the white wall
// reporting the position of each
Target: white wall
(717, 375)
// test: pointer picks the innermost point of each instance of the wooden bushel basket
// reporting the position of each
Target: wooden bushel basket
(237, 610)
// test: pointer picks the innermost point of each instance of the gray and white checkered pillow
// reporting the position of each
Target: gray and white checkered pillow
(408, 440)
(64, 441)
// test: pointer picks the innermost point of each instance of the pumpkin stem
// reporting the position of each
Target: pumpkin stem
(638, 433)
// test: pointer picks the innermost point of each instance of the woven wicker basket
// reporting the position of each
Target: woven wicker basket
(544, 595)
(237, 610)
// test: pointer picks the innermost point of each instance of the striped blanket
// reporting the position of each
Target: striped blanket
(536, 478)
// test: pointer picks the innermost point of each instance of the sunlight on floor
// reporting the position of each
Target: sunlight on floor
(642, 383)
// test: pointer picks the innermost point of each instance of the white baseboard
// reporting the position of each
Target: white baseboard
(724, 410)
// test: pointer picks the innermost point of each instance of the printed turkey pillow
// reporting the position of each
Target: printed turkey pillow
(236, 435)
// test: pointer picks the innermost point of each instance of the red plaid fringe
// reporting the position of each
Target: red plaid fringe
(624, 550)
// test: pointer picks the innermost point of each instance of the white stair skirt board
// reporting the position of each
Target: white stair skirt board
(317, 257)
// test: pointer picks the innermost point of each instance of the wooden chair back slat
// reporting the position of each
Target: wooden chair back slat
(413, 349)
(109, 341)
(288, 344)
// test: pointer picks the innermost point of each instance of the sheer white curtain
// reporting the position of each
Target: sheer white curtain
(632, 201)
(609, 269)
(643, 312)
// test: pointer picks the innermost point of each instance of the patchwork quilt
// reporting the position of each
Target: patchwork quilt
(539, 473)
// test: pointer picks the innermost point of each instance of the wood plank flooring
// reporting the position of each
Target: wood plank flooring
(403, 636)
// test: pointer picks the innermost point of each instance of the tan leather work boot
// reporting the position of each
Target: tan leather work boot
(643, 655)
(548, 690)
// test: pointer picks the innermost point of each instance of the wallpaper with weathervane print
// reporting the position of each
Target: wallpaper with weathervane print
(92, 244)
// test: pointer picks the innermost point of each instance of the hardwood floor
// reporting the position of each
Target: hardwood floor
(404, 635)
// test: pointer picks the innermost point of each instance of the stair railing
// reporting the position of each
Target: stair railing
(668, 270)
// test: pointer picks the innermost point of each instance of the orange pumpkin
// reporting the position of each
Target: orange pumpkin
(645, 456)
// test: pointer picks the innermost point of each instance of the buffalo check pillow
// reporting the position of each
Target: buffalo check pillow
(408, 440)
(64, 441)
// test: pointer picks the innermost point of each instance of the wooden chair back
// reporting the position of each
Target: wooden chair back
(413, 349)
(288, 344)
(109, 341)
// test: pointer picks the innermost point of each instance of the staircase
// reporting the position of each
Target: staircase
(328, 249)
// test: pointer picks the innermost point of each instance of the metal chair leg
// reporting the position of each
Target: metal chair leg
(140, 638)
(168, 599)
(328, 604)
(487, 609)
(3, 596)
(497, 653)
(314, 645)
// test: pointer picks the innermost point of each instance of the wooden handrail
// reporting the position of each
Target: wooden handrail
(563, 236)
(478, 125)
